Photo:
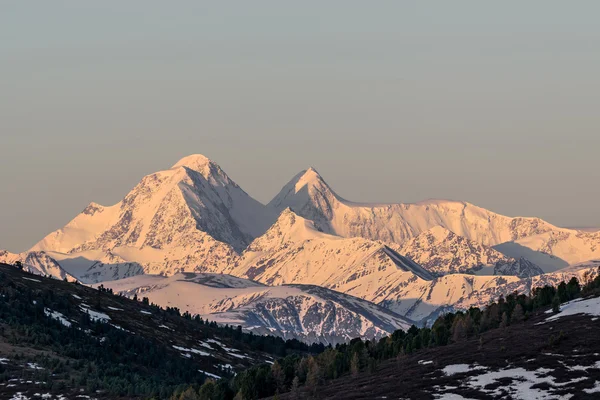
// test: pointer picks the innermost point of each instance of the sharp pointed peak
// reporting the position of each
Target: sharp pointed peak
(308, 176)
(301, 184)
(310, 172)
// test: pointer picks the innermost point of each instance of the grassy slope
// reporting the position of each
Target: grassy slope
(527, 345)
(129, 320)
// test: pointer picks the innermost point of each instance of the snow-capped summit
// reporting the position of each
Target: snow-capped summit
(197, 162)
(189, 217)
(310, 197)
(210, 170)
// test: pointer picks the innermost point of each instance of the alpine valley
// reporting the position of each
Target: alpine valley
(309, 264)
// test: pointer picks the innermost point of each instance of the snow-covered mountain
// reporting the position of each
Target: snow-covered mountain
(85, 267)
(413, 259)
(442, 252)
(294, 251)
(304, 312)
(36, 262)
(570, 246)
(310, 197)
(189, 217)
(522, 268)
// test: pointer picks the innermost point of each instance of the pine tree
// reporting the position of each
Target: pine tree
(504, 321)
(556, 304)
(189, 394)
(295, 387)
(313, 376)
(354, 365)
(459, 329)
(278, 376)
(517, 315)
(573, 288)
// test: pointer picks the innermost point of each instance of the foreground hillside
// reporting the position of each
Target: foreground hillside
(539, 359)
(63, 338)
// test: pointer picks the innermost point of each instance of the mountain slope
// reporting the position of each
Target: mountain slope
(310, 197)
(189, 217)
(66, 340)
(540, 358)
(309, 313)
(36, 262)
(294, 251)
(85, 267)
(569, 245)
(442, 252)
(522, 268)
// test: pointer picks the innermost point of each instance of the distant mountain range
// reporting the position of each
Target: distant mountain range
(411, 261)
(306, 312)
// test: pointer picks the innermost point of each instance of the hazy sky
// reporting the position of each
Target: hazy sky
(494, 103)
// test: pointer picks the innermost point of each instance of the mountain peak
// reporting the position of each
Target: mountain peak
(196, 162)
(309, 175)
(209, 169)
(300, 189)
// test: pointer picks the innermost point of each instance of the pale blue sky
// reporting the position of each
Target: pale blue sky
(493, 103)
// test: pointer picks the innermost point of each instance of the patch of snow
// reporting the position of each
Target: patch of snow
(460, 368)
(33, 280)
(195, 351)
(115, 308)
(57, 316)
(145, 312)
(595, 389)
(209, 374)
(95, 315)
(77, 297)
(586, 306)
(522, 384)
(451, 396)
(423, 362)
